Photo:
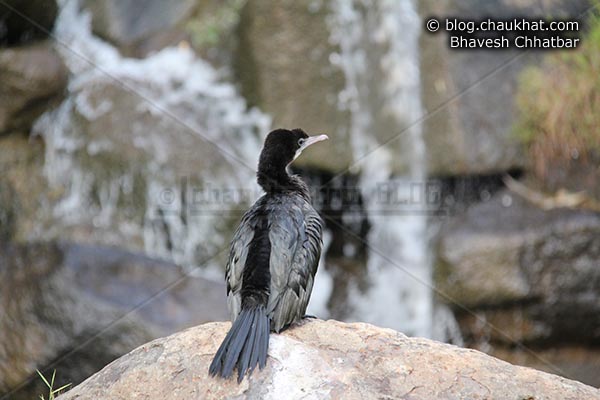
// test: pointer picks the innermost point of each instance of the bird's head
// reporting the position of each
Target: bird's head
(282, 146)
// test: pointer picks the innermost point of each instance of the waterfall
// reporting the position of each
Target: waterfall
(379, 39)
(174, 96)
(177, 96)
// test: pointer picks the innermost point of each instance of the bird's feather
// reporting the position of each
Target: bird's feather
(238, 255)
(295, 235)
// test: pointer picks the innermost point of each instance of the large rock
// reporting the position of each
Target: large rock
(24, 21)
(506, 251)
(325, 360)
(154, 290)
(31, 78)
(210, 29)
(124, 22)
(283, 65)
(471, 133)
(141, 28)
(45, 318)
(525, 275)
(81, 306)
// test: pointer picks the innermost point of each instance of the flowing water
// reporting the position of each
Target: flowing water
(175, 85)
(381, 37)
(171, 90)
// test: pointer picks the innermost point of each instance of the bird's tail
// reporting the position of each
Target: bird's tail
(245, 345)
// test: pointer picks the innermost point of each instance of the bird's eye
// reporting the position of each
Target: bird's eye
(301, 142)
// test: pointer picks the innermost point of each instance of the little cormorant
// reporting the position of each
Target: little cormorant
(273, 258)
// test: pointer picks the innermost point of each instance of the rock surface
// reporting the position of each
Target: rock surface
(324, 360)
(122, 22)
(31, 78)
(159, 291)
(506, 251)
(81, 306)
(45, 317)
(533, 274)
(283, 66)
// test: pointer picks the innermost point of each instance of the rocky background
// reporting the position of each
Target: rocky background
(96, 256)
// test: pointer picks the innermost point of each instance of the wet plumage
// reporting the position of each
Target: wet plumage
(273, 258)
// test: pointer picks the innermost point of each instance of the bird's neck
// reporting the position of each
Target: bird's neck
(277, 180)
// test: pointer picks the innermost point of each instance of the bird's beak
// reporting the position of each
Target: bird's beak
(310, 140)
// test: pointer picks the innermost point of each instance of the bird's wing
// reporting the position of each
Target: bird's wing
(237, 259)
(295, 236)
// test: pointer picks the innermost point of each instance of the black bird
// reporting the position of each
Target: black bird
(273, 257)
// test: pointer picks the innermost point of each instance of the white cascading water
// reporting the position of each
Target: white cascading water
(172, 83)
(400, 295)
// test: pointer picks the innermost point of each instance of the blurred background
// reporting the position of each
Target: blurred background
(459, 188)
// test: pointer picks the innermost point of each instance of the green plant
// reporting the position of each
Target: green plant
(50, 385)
(559, 103)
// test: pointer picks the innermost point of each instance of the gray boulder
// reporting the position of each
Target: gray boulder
(45, 318)
(156, 291)
(517, 274)
(283, 65)
(123, 22)
(75, 308)
(506, 251)
(324, 360)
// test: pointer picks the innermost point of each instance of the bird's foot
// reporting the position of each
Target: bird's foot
(307, 316)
